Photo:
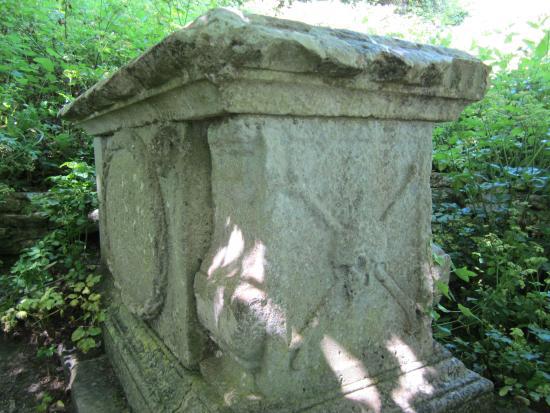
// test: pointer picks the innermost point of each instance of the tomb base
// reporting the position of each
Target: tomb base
(155, 381)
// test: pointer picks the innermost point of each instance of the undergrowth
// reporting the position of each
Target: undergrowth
(495, 224)
(51, 288)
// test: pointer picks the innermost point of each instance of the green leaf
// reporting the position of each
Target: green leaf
(46, 63)
(439, 259)
(516, 333)
(51, 52)
(466, 311)
(94, 331)
(79, 286)
(443, 289)
(78, 334)
(504, 390)
(92, 280)
(443, 331)
(86, 344)
(542, 48)
(464, 274)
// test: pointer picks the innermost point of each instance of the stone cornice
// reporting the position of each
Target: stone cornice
(213, 58)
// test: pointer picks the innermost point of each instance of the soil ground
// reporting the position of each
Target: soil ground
(29, 384)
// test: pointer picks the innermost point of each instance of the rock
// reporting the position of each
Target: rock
(265, 215)
(20, 226)
(93, 385)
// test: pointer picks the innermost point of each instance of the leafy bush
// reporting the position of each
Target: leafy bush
(4, 190)
(50, 52)
(448, 12)
(496, 158)
(52, 285)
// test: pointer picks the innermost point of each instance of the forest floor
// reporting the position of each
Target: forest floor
(29, 384)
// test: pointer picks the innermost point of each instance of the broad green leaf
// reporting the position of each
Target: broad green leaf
(86, 344)
(443, 331)
(464, 274)
(466, 311)
(516, 332)
(504, 390)
(51, 52)
(439, 259)
(542, 48)
(78, 334)
(94, 331)
(46, 63)
(443, 288)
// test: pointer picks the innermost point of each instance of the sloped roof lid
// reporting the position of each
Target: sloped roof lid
(222, 42)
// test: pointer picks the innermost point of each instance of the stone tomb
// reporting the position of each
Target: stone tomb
(265, 216)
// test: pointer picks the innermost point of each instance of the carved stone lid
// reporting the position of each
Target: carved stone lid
(225, 46)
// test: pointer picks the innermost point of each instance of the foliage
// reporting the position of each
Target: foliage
(53, 281)
(496, 158)
(51, 51)
(4, 190)
(449, 12)
(445, 12)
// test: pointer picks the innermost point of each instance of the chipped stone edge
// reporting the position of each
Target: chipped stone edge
(233, 45)
(204, 99)
(72, 365)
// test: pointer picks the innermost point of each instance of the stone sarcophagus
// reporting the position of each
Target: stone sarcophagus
(265, 217)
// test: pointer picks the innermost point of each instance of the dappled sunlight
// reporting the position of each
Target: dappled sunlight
(230, 253)
(412, 382)
(253, 264)
(218, 304)
(235, 246)
(247, 293)
(240, 313)
(348, 369)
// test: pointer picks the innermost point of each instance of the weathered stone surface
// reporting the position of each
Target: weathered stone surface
(265, 214)
(309, 256)
(226, 62)
(157, 212)
(93, 385)
(152, 377)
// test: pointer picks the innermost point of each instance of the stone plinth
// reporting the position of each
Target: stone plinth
(265, 216)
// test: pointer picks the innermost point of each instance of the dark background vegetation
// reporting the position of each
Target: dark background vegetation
(491, 197)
